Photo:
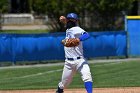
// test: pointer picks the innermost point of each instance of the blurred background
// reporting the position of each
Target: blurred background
(94, 15)
(30, 29)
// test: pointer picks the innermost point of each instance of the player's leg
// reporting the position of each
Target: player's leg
(67, 76)
(86, 76)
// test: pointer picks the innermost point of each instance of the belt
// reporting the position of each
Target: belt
(72, 59)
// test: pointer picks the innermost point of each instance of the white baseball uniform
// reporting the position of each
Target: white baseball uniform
(75, 60)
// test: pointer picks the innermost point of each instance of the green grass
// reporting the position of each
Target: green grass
(24, 31)
(121, 74)
(124, 74)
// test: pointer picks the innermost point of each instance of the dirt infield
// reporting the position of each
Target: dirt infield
(96, 90)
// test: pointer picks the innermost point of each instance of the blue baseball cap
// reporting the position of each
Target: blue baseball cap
(72, 16)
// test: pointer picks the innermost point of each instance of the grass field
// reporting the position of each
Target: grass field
(115, 74)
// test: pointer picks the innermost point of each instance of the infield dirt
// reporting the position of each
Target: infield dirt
(96, 90)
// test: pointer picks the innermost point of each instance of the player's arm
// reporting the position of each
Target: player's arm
(84, 36)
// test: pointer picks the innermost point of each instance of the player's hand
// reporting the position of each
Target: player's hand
(63, 19)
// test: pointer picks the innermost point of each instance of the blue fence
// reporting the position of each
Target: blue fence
(35, 47)
(133, 28)
(104, 44)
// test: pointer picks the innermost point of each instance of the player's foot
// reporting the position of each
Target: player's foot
(59, 90)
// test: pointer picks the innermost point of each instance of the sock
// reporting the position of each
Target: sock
(88, 86)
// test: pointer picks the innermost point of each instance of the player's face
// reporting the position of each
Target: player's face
(73, 20)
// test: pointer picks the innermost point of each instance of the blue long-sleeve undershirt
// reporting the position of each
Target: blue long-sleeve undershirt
(84, 36)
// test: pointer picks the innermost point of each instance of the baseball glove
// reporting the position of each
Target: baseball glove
(71, 42)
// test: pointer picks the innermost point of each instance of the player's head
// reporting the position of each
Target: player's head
(72, 16)
(72, 19)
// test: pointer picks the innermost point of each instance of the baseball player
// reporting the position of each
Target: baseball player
(74, 59)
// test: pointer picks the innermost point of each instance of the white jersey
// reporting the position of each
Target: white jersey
(74, 52)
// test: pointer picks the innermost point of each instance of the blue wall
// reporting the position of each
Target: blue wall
(30, 47)
(133, 28)
(102, 44)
